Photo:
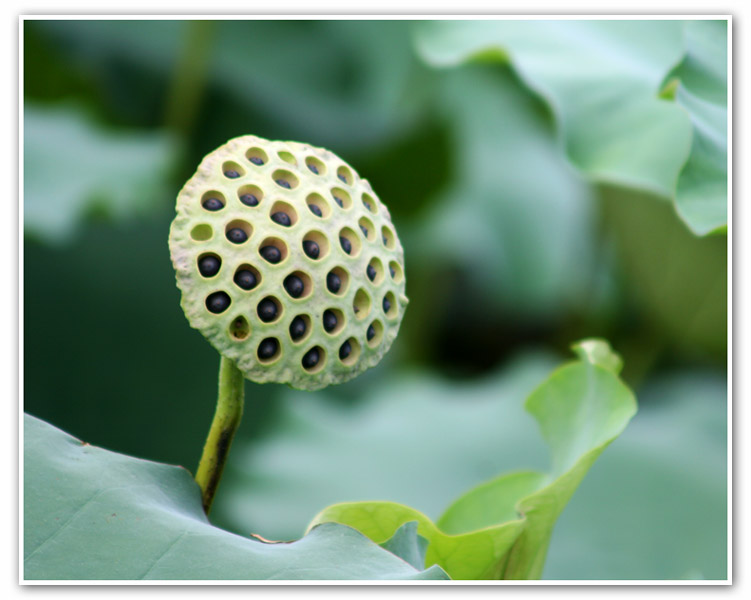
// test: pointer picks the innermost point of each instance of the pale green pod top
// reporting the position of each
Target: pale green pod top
(224, 219)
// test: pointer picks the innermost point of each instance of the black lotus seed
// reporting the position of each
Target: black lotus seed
(294, 286)
(283, 183)
(386, 304)
(392, 271)
(345, 350)
(333, 282)
(370, 333)
(315, 210)
(256, 160)
(311, 358)
(342, 177)
(281, 218)
(271, 253)
(237, 235)
(364, 230)
(367, 205)
(339, 201)
(213, 204)
(329, 320)
(313, 168)
(346, 244)
(370, 270)
(385, 241)
(249, 200)
(311, 248)
(245, 279)
(267, 348)
(267, 310)
(231, 174)
(218, 302)
(297, 328)
(208, 266)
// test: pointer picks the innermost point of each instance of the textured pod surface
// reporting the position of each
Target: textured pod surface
(268, 212)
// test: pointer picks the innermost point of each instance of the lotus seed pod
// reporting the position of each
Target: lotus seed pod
(288, 263)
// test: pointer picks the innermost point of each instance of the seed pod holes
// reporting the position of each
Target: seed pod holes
(288, 263)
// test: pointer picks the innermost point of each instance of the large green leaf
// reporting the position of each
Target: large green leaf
(600, 78)
(74, 167)
(602, 81)
(580, 409)
(502, 529)
(508, 172)
(702, 195)
(96, 515)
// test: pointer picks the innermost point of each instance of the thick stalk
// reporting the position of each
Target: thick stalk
(229, 411)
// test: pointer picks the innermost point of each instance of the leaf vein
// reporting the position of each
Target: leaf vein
(163, 554)
(65, 525)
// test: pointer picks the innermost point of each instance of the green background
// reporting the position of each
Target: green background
(530, 218)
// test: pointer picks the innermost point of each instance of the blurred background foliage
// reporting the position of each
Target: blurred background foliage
(549, 181)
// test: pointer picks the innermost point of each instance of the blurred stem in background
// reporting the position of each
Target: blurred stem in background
(189, 82)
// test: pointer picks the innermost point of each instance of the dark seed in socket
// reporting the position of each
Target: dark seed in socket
(231, 174)
(237, 235)
(346, 244)
(392, 271)
(385, 241)
(313, 169)
(256, 161)
(271, 253)
(339, 201)
(370, 333)
(213, 204)
(283, 183)
(294, 285)
(218, 302)
(208, 266)
(315, 210)
(267, 348)
(333, 282)
(329, 320)
(311, 248)
(249, 200)
(281, 218)
(367, 205)
(370, 270)
(342, 177)
(364, 230)
(311, 358)
(345, 350)
(267, 310)
(297, 328)
(245, 279)
(386, 304)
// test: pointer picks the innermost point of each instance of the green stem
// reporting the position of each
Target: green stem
(189, 80)
(229, 411)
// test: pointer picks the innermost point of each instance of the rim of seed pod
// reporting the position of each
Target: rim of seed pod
(288, 262)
